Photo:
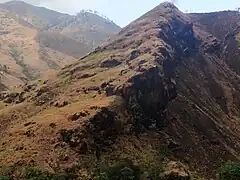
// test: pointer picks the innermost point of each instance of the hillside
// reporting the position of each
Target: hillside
(160, 100)
(39, 17)
(22, 57)
(30, 50)
(86, 27)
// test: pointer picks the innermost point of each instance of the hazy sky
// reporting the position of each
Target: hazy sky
(124, 11)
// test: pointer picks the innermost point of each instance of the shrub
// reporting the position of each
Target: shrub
(4, 178)
(6, 172)
(37, 174)
(229, 171)
(123, 170)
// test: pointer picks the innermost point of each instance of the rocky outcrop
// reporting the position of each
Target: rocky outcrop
(85, 75)
(12, 97)
(100, 131)
(175, 171)
(109, 63)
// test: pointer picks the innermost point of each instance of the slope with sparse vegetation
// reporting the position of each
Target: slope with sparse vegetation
(159, 100)
(30, 49)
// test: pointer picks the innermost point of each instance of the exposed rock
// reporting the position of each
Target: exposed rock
(109, 91)
(42, 90)
(29, 133)
(172, 145)
(20, 98)
(72, 137)
(94, 107)
(147, 94)
(77, 115)
(29, 123)
(61, 104)
(106, 83)
(103, 128)
(45, 82)
(124, 71)
(74, 117)
(86, 75)
(93, 88)
(19, 148)
(29, 87)
(176, 171)
(212, 45)
(84, 113)
(52, 125)
(100, 132)
(83, 147)
(109, 63)
(12, 97)
(43, 98)
(134, 54)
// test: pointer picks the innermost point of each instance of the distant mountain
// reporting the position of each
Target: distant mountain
(44, 40)
(27, 54)
(39, 17)
(87, 27)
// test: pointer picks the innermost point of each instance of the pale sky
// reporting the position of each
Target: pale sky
(123, 12)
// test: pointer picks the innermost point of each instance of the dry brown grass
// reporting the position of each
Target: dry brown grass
(34, 62)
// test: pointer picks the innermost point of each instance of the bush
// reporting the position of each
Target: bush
(123, 170)
(230, 171)
(6, 172)
(36, 174)
(4, 178)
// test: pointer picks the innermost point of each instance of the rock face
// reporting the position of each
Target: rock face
(176, 171)
(12, 97)
(101, 132)
(109, 63)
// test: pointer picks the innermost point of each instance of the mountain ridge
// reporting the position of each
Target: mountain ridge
(161, 95)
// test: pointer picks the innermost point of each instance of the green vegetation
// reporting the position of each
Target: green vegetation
(36, 174)
(29, 173)
(17, 56)
(229, 171)
(4, 178)
(36, 21)
(123, 170)
(15, 53)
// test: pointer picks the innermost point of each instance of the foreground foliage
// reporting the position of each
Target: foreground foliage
(230, 171)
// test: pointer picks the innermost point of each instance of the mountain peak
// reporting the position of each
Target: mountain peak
(168, 4)
(16, 2)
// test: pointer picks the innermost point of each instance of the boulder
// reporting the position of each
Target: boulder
(109, 91)
(134, 54)
(60, 104)
(42, 90)
(93, 88)
(13, 98)
(176, 171)
(74, 117)
(86, 75)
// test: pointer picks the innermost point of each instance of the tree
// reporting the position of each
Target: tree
(229, 171)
